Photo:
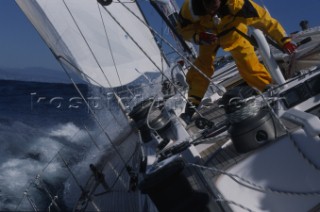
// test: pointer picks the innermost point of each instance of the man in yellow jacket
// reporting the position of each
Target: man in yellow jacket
(223, 23)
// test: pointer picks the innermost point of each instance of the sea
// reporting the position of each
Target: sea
(41, 124)
(48, 136)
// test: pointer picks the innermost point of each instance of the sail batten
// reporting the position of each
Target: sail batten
(87, 36)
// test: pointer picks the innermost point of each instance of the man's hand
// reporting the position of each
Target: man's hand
(205, 38)
(289, 47)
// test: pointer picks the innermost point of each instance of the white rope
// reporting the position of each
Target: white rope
(253, 186)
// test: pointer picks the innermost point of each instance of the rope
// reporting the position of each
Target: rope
(303, 155)
(295, 144)
(250, 110)
(253, 186)
(233, 203)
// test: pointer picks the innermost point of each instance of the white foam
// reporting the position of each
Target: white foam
(68, 131)
(26, 153)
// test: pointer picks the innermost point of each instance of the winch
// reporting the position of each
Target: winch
(158, 118)
(151, 114)
(251, 123)
(139, 115)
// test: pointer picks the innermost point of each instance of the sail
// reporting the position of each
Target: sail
(108, 45)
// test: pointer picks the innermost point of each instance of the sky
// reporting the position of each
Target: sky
(20, 44)
(22, 47)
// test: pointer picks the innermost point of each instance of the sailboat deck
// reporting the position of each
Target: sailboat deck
(212, 155)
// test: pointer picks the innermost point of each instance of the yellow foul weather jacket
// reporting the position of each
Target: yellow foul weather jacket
(230, 24)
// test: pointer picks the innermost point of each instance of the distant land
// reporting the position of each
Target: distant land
(37, 74)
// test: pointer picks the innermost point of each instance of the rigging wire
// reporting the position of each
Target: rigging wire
(92, 50)
(61, 58)
(143, 51)
(38, 175)
(81, 94)
(91, 137)
(32, 203)
(173, 48)
(111, 52)
(121, 171)
(109, 44)
(218, 88)
(182, 95)
(89, 47)
(45, 188)
(99, 123)
(41, 172)
(31, 183)
(72, 174)
(127, 2)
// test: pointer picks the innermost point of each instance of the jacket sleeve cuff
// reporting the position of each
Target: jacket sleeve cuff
(285, 40)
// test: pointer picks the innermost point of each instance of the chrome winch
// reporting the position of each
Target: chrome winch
(251, 122)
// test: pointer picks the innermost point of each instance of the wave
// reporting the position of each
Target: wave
(35, 141)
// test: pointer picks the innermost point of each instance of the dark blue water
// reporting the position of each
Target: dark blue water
(43, 101)
(38, 120)
(45, 125)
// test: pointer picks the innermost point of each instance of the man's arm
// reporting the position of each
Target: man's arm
(186, 24)
(254, 15)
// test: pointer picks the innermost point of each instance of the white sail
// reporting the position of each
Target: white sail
(86, 35)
